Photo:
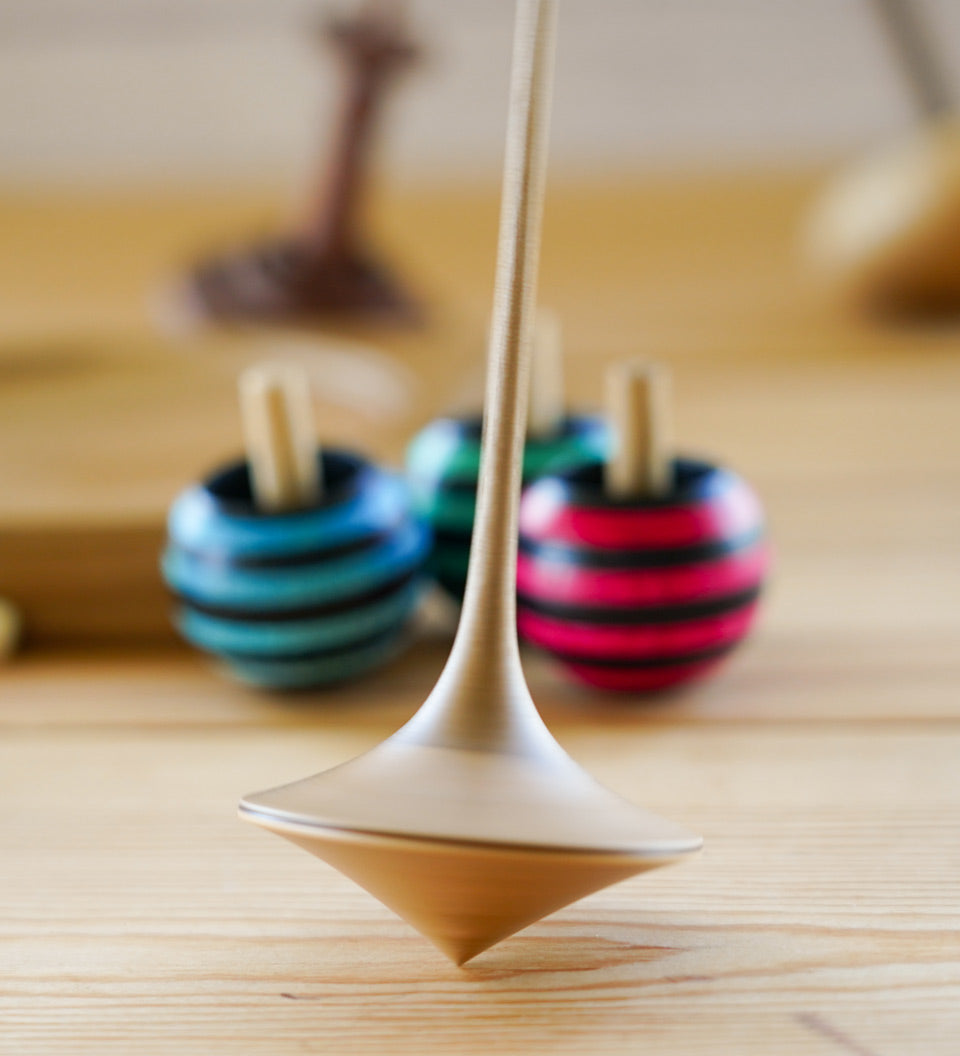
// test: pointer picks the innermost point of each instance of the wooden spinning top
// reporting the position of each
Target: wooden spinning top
(639, 570)
(297, 566)
(471, 822)
(326, 270)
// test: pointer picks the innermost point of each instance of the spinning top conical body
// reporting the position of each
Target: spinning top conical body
(470, 830)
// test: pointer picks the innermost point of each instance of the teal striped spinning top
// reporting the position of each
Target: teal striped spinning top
(443, 463)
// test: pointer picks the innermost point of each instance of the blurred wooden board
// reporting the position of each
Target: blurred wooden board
(848, 430)
(138, 914)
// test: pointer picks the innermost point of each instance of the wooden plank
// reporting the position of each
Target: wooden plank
(822, 917)
(136, 913)
(799, 679)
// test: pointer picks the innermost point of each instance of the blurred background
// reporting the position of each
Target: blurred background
(104, 92)
(141, 142)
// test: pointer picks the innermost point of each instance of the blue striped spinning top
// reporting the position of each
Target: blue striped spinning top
(301, 597)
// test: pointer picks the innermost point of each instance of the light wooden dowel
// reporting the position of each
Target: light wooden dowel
(489, 606)
(546, 406)
(638, 407)
(278, 430)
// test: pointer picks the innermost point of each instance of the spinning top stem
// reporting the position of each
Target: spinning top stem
(638, 405)
(489, 602)
(485, 651)
(278, 430)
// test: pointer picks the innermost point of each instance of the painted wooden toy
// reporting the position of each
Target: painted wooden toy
(297, 567)
(471, 821)
(639, 571)
(443, 460)
(325, 270)
(886, 232)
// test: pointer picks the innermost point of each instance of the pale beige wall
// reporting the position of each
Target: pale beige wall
(186, 89)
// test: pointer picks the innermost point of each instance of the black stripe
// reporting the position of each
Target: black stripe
(594, 557)
(223, 559)
(314, 654)
(342, 473)
(452, 538)
(641, 615)
(646, 663)
(471, 427)
(694, 482)
(655, 557)
(307, 612)
(469, 430)
(454, 585)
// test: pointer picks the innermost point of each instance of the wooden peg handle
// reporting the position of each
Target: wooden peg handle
(489, 606)
(638, 407)
(481, 700)
(278, 430)
(546, 407)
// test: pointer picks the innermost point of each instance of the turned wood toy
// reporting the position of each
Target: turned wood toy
(326, 270)
(886, 232)
(297, 567)
(443, 460)
(471, 822)
(640, 570)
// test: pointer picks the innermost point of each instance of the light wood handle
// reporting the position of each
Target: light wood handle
(638, 407)
(489, 607)
(481, 701)
(278, 430)
(546, 406)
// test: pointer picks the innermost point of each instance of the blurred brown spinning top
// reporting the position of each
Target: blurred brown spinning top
(325, 270)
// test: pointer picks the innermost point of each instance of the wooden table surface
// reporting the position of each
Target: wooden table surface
(137, 915)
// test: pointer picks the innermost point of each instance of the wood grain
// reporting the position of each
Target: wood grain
(136, 913)
(139, 913)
